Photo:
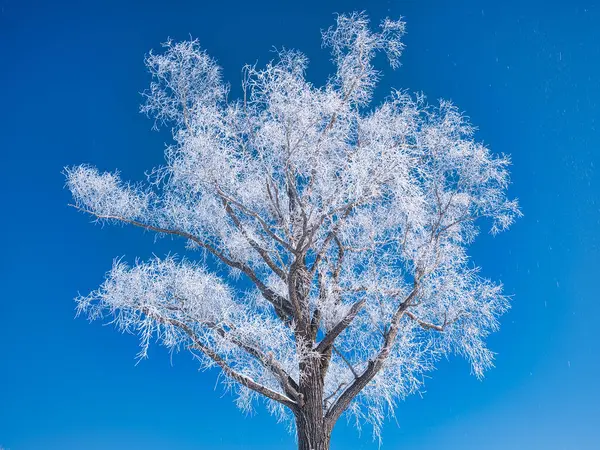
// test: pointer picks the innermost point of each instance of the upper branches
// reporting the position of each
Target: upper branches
(185, 82)
(353, 46)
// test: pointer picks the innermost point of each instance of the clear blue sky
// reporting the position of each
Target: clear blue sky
(527, 73)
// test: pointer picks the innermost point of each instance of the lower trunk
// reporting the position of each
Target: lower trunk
(312, 434)
(313, 431)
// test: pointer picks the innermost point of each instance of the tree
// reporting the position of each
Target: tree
(350, 222)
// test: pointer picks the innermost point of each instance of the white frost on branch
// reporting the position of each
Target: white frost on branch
(351, 221)
(180, 304)
(104, 193)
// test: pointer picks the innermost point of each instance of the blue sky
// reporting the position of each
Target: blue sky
(526, 72)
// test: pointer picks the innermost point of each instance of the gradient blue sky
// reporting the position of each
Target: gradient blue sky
(527, 73)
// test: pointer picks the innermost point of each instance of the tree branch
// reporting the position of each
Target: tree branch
(374, 365)
(261, 251)
(231, 373)
(340, 260)
(333, 233)
(280, 304)
(340, 327)
(333, 394)
(274, 198)
(350, 366)
(288, 384)
(431, 326)
(317, 314)
(255, 215)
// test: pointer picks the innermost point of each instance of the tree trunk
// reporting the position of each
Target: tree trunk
(312, 434)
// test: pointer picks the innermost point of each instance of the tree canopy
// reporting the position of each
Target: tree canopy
(351, 220)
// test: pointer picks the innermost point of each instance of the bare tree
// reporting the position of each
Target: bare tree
(350, 221)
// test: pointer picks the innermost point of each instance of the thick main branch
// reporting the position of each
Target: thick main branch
(227, 370)
(338, 329)
(374, 365)
(281, 304)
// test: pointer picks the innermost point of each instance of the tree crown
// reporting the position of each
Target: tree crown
(350, 221)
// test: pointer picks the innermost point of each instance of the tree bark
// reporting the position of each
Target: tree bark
(313, 430)
(313, 433)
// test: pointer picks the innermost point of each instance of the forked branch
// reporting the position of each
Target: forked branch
(374, 365)
(280, 304)
(214, 356)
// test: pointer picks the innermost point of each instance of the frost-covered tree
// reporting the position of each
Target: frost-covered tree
(349, 221)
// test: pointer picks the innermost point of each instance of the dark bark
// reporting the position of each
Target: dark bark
(313, 431)
(312, 435)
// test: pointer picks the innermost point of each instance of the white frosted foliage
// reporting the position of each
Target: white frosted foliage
(350, 220)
